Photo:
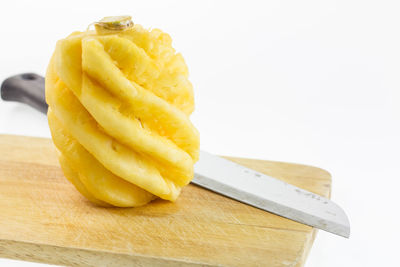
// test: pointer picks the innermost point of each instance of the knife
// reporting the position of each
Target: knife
(222, 176)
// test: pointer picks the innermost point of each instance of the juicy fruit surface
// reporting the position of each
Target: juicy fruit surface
(119, 106)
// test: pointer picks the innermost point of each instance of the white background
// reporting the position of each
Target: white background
(313, 82)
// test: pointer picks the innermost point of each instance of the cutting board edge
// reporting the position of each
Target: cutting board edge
(307, 248)
(72, 256)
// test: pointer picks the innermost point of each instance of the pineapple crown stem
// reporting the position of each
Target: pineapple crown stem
(113, 24)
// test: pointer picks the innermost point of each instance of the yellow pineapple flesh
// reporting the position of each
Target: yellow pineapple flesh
(119, 104)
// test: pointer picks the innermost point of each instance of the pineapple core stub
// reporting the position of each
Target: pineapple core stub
(119, 104)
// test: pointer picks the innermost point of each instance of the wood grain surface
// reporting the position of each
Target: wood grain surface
(44, 219)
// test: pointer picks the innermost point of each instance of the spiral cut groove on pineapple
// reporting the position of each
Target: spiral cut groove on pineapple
(119, 107)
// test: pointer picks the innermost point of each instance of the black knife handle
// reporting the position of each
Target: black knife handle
(26, 88)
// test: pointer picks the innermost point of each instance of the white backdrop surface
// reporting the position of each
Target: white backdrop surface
(313, 82)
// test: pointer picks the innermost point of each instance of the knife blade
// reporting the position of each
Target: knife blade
(265, 192)
(223, 176)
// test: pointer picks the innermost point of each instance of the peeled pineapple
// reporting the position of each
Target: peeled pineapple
(119, 104)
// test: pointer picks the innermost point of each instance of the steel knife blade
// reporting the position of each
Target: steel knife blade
(265, 192)
(221, 175)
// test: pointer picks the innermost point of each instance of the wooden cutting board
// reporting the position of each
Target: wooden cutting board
(44, 219)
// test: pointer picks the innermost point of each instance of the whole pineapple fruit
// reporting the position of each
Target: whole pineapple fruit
(119, 104)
